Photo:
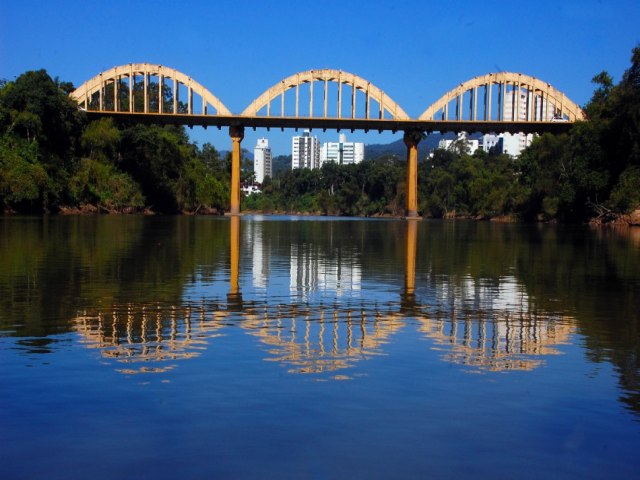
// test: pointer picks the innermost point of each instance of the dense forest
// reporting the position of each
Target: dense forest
(53, 159)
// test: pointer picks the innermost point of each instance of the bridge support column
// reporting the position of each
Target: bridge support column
(411, 140)
(237, 134)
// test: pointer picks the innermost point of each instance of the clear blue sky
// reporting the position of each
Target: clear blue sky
(413, 50)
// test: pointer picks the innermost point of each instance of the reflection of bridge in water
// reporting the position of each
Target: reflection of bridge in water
(151, 335)
(505, 340)
(316, 339)
(322, 339)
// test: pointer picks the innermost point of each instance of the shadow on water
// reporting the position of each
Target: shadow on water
(319, 295)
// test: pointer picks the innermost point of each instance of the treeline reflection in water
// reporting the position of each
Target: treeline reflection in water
(321, 295)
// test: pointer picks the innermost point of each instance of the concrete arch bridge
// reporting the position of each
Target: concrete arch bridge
(329, 99)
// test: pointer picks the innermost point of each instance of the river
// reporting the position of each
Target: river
(311, 347)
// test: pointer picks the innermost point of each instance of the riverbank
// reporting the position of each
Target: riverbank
(608, 218)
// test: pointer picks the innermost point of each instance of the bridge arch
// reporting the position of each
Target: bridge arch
(386, 106)
(504, 96)
(115, 90)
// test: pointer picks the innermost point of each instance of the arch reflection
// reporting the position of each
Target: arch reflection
(322, 338)
(148, 338)
(500, 341)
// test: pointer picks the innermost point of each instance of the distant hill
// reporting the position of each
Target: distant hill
(246, 154)
(280, 163)
(398, 148)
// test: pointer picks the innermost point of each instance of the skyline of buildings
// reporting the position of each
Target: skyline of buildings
(308, 152)
(262, 160)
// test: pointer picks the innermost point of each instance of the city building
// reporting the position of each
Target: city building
(471, 145)
(305, 151)
(490, 141)
(514, 143)
(342, 152)
(262, 160)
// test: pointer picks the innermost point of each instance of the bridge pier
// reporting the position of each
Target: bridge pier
(411, 140)
(237, 134)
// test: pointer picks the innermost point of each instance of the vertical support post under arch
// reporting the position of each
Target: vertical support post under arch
(175, 96)
(132, 81)
(485, 101)
(101, 102)
(160, 93)
(326, 95)
(116, 81)
(236, 133)
(411, 139)
(367, 104)
(146, 93)
(475, 104)
(353, 100)
(490, 100)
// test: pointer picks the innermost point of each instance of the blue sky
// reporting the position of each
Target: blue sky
(413, 50)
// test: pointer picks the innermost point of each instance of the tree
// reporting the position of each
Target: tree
(101, 139)
(40, 122)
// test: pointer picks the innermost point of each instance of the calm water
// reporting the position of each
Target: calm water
(276, 347)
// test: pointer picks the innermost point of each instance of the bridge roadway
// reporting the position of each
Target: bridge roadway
(352, 124)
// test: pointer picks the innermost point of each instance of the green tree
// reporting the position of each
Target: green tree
(44, 125)
(101, 139)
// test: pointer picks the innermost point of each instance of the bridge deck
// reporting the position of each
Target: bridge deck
(352, 124)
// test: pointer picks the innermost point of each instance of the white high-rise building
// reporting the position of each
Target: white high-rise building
(262, 160)
(342, 152)
(305, 151)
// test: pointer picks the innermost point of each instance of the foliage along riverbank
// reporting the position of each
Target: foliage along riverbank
(53, 160)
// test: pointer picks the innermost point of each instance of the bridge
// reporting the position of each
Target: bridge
(329, 99)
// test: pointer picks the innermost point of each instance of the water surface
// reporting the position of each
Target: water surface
(284, 347)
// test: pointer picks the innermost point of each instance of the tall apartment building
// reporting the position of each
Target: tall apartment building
(305, 151)
(262, 160)
(342, 152)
